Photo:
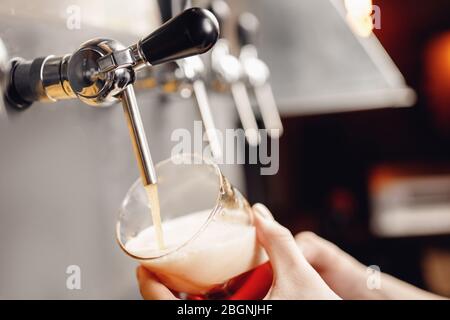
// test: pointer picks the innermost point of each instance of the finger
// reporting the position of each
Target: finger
(320, 253)
(150, 287)
(278, 242)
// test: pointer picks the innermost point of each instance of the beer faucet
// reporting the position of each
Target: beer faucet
(229, 74)
(102, 72)
(188, 74)
(258, 74)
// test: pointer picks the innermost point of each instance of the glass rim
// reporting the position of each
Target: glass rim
(217, 206)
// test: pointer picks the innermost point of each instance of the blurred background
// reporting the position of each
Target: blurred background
(364, 158)
(377, 182)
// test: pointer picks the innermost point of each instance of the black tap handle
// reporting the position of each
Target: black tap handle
(247, 29)
(192, 32)
(221, 11)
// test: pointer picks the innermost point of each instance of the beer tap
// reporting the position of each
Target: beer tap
(188, 74)
(229, 73)
(102, 72)
(258, 74)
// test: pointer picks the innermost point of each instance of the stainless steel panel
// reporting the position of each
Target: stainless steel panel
(64, 169)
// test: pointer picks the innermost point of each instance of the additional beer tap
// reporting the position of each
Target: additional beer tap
(189, 73)
(228, 72)
(258, 74)
(102, 72)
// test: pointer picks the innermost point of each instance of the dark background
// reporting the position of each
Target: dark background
(326, 160)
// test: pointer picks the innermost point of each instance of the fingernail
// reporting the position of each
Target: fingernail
(262, 211)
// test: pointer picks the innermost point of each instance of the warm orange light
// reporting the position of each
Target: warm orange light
(359, 8)
(359, 16)
(437, 80)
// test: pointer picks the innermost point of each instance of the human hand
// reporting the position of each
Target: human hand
(348, 277)
(294, 277)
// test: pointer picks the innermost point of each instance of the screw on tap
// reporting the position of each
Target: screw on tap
(186, 76)
(258, 74)
(228, 73)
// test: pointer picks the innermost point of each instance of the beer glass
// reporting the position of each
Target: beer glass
(211, 250)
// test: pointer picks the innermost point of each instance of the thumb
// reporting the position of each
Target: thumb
(150, 287)
(284, 254)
